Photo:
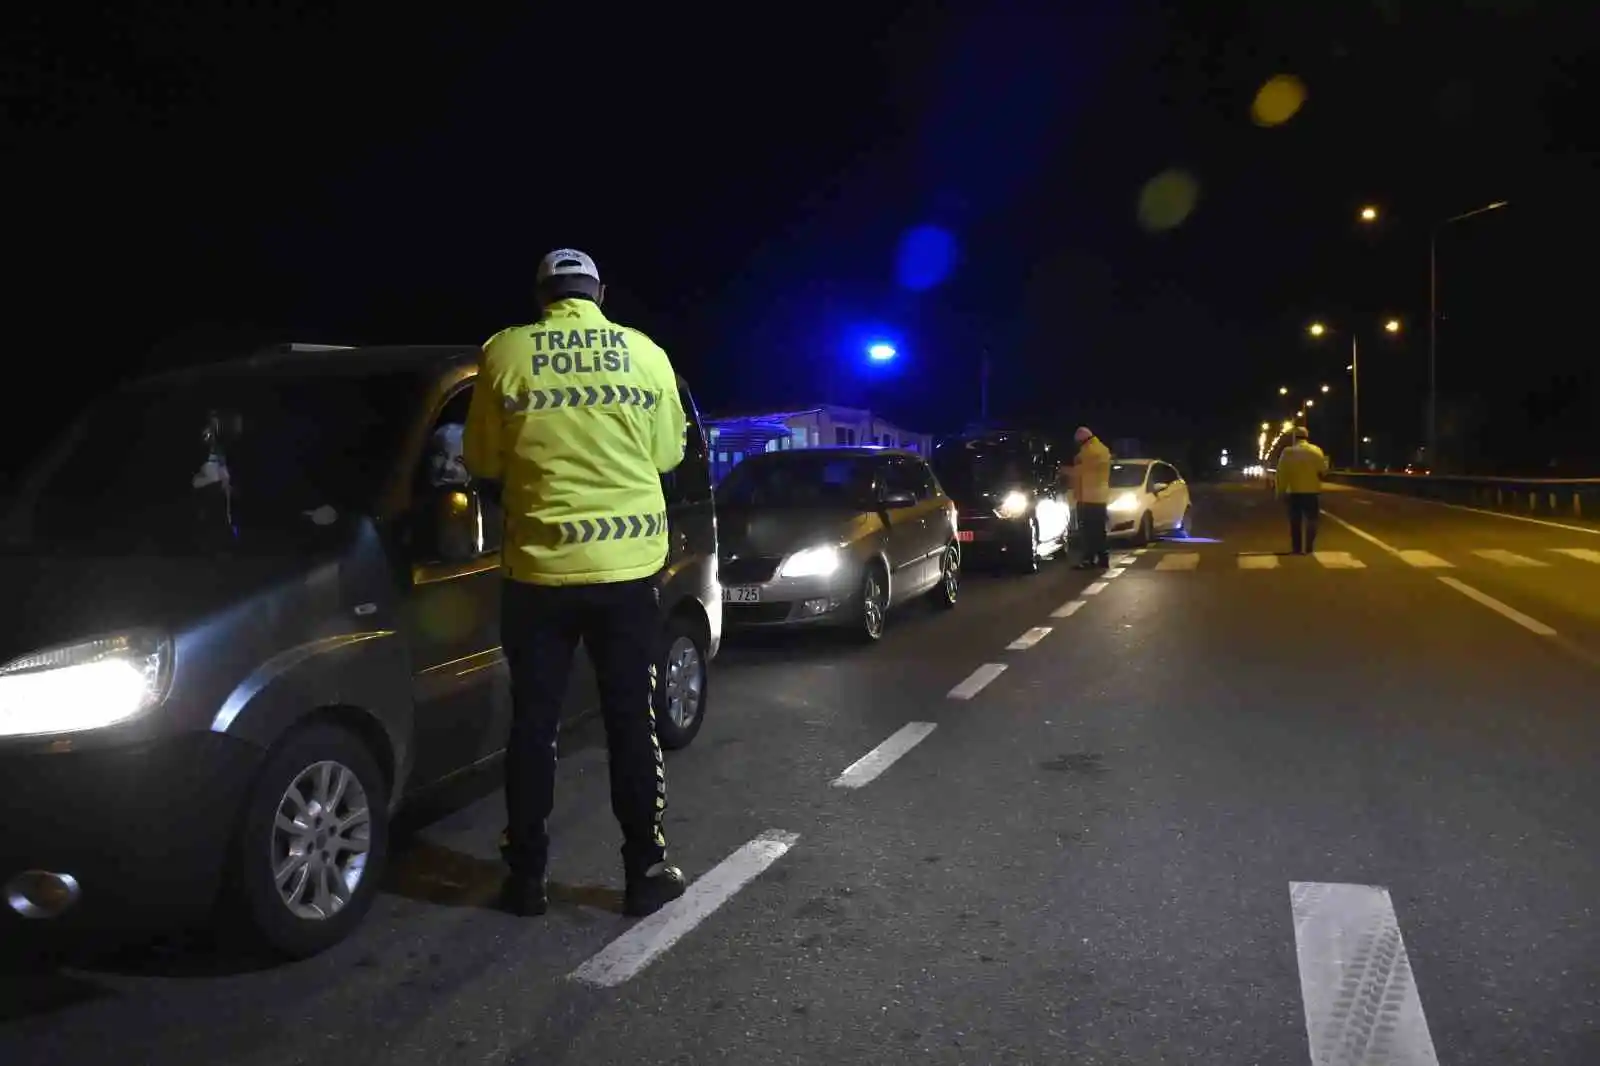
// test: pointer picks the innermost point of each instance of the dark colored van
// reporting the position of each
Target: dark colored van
(219, 680)
(1009, 506)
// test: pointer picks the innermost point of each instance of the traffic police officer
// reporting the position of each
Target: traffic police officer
(573, 421)
(1299, 482)
(1091, 492)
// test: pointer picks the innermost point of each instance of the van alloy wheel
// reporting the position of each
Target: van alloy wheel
(320, 841)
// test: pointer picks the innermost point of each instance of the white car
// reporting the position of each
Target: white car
(1149, 498)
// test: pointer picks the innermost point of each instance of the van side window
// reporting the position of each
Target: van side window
(691, 481)
(443, 468)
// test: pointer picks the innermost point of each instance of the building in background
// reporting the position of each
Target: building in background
(732, 437)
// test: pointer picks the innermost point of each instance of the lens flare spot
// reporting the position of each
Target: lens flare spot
(1277, 101)
(1167, 199)
(926, 258)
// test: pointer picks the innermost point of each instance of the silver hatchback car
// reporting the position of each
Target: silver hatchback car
(833, 536)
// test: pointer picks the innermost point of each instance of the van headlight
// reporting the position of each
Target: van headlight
(1124, 503)
(1013, 505)
(88, 685)
(811, 562)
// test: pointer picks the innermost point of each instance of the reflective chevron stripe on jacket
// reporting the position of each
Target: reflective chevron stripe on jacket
(586, 396)
(622, 527)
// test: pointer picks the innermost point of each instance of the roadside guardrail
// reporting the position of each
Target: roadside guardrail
(1550, 497)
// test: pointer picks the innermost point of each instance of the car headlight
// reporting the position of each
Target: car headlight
(811, 562)
(1013, 505)
(1124, 503)
(88, 685)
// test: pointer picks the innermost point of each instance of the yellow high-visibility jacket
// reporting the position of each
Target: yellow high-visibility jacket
(577, 418)
(1300, 468)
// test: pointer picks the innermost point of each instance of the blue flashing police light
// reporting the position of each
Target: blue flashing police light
(880, 352)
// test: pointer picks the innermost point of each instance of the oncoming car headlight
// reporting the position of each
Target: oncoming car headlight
(1124, 503)
(1013, 505)
(811, 562)
(87, 685)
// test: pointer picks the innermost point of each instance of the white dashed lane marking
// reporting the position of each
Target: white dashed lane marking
(1505, 558)
(1179, 561)
(1068, 609)
(1423, 560)
(1588, 555)
(641, 945)
(867, 768)
(1029, 639)
(1340, 561)
(1094, 589)
(1259, 561)
(976, 681)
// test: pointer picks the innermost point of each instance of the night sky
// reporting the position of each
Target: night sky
(192, 183)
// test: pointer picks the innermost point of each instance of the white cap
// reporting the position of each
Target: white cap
(567, 262)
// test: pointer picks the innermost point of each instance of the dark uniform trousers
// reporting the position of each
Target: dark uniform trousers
(1092, 524)
(619, 623)
(1305, 509)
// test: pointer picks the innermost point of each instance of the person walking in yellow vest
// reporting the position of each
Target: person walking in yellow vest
(573, 421)
(1090, 478)
(1299, 483)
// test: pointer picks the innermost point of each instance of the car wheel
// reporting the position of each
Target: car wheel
(873, 605)
(312, 842)
(681, 685)
(1147, 530)
(948, 590)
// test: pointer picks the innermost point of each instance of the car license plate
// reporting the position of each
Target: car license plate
(964, 536)
(741, 594)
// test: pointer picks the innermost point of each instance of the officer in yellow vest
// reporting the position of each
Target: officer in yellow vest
(573, 421)
(1090, 475)
(1301, 467)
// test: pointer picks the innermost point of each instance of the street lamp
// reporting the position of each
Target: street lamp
(1317, 329)
(1283, 390)
(880, 352)
(1433, 322)
(1369, 214)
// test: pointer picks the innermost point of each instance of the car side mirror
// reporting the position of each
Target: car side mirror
(453, 524)
(895, 500)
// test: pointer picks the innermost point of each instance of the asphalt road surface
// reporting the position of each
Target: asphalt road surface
(1233, 807)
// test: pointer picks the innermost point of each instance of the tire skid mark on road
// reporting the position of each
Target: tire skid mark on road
(1360, 996)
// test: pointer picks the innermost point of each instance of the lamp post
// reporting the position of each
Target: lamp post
(1433, 323)
(1317, 329)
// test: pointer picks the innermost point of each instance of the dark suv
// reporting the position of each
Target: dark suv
(1010, 508)
(251, 609)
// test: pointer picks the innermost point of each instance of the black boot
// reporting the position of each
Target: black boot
(654, 889)
(526, 897)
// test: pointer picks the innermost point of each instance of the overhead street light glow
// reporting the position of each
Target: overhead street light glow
(1324, 388)
(881, 353)
(1317, 329)
(1393, 325)
(1369, 214)
(1283, 390)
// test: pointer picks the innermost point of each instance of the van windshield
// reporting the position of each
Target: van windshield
(219, 462)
